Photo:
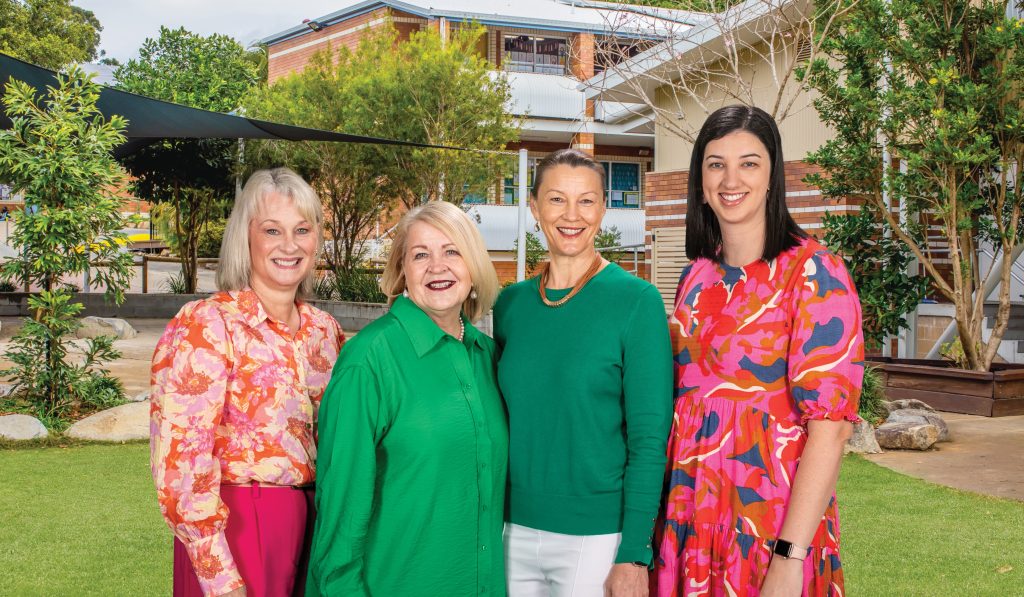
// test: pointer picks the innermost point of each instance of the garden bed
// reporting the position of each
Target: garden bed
(998, 392)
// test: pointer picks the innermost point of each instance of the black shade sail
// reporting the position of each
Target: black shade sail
(150, 119)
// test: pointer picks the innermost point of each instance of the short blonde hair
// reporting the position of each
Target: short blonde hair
(463, 233)
(235, 266)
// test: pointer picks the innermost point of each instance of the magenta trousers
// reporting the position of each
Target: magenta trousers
(268, 531)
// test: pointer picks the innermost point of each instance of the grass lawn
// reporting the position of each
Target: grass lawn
(83, 520)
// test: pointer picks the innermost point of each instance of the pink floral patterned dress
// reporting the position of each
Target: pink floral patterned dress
(760, 350)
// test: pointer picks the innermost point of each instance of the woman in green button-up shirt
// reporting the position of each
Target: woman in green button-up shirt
(413, 433)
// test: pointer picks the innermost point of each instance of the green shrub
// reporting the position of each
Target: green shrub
(358, 286)
(871, 396)
(210, 238)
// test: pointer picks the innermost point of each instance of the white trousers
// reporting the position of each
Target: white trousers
(543, 564)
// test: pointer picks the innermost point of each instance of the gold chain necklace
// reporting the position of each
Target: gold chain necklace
(587, 275)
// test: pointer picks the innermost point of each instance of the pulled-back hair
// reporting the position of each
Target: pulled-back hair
(566, 157)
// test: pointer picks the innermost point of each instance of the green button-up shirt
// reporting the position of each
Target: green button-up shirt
(413, 451)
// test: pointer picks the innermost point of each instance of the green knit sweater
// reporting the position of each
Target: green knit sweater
(589, 393)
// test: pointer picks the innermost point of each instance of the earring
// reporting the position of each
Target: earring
(405, 293)
(472, 293)
(536, 227)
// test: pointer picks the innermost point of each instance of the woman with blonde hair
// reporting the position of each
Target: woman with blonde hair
(413, 436)
(237, 380)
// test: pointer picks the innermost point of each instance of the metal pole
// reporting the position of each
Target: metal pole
(521, 252)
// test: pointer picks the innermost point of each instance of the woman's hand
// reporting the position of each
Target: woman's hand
(627, 580)
(784, 578)
(239, 592)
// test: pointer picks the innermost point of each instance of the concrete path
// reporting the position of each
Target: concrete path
(986, 456)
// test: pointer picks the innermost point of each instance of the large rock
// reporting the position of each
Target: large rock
(906, 436)
(903, 404)
(106, 326)
(863, 440)
(121, 423)
(21, 427)
(920, 416)
(141, 396)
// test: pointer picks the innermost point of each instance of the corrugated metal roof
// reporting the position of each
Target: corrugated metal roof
(498, 225)
(564, 15)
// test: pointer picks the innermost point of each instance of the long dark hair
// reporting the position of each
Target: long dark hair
(567, 157)
(703, 234)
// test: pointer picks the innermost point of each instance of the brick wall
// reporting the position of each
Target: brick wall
(292, 55)
(666, 193)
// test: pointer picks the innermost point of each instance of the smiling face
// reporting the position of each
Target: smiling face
(735, 174)
(436, 275)
(282, 245)
(569, 207)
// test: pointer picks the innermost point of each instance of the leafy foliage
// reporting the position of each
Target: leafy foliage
(936, 84)
(871, 396)
(694, 5)
(195, 176)
(359, 286)
(419, 90)
(878, 265)
(57, 154)
(49, 33)
(608, 238)
(535, 252)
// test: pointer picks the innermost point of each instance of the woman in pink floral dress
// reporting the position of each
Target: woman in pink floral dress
(769, 358)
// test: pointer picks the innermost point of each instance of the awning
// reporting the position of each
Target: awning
(150, 119)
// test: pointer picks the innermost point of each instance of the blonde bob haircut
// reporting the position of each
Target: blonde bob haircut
(463, 233)
(235, 265)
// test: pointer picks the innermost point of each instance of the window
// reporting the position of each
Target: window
(529, 54)
(623, 184)
(510, 183)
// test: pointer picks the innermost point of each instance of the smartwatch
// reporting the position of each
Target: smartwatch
(785, 549)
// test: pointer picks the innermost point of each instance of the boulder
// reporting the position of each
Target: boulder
(140, 397)
(902, 404)
(906, 436)
(863, 440)
(21, 427)
(6, 389)
(105, 326)
(121, 423)
(920, 416)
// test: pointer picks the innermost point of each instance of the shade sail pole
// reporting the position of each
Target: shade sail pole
(521, 245)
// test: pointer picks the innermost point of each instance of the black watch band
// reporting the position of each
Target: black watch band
(785, 549)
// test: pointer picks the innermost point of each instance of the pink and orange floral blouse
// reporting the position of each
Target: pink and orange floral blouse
(235, 400)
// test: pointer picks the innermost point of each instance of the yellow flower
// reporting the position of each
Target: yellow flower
(999, 29)
(933, 81)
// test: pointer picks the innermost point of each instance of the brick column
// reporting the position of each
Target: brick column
(581, 65)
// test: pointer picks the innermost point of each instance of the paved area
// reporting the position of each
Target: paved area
(986, 456)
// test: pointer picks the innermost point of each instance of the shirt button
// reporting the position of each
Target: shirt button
(467, 387)
(483, 548)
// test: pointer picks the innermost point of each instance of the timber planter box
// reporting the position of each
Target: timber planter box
(943, 386)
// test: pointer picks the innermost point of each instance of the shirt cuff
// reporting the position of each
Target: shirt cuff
(637, 537)
(213, 564)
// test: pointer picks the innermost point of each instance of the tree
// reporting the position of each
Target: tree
(936, 85)
(49, 33)
(57, 153)
(338, 91)
(211, 73)
(746, 52)
(442, 92)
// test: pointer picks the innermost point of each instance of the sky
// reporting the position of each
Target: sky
(127, 24)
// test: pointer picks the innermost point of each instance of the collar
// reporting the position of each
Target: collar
(249, 306)
(423, 333)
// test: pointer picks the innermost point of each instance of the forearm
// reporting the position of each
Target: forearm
(815, 480)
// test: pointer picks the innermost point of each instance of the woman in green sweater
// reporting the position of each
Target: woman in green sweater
(413, 436)
(586, 372)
